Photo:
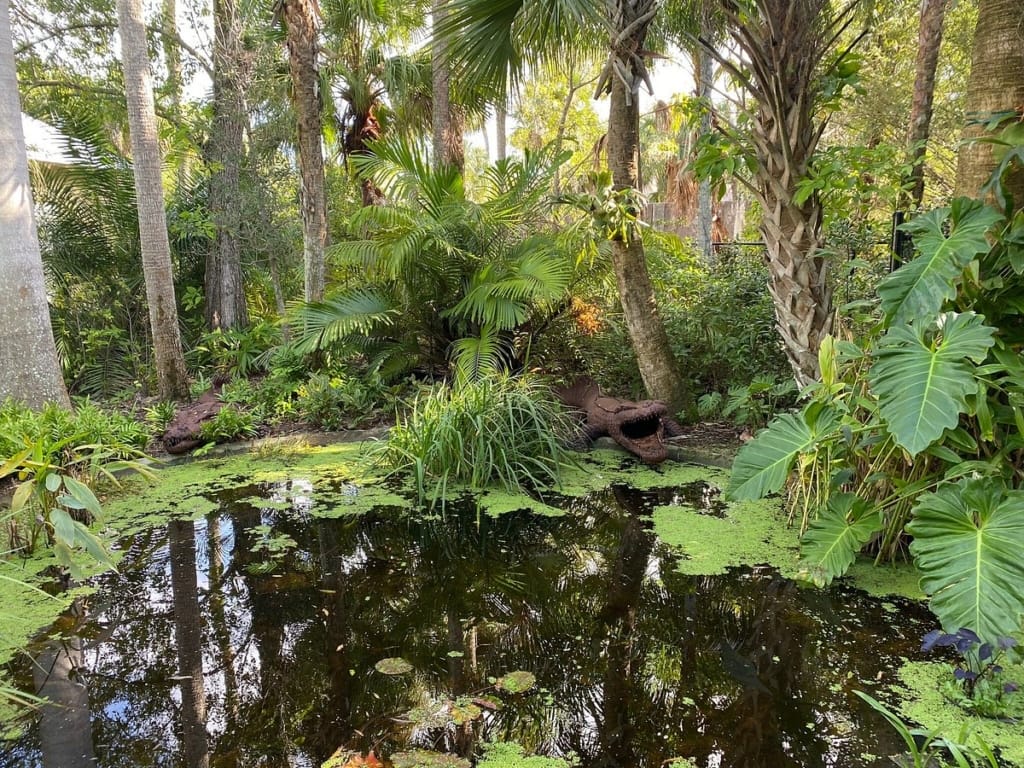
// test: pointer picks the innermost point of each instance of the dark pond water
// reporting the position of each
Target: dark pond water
(223, 642)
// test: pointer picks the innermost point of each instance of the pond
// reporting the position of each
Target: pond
(260, 635)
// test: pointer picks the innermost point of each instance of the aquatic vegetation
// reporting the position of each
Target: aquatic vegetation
(921, 700)
(497, 430)
(977, 683)
(928, 748)
(503, 754)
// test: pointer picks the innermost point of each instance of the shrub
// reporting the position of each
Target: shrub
(334, 402)
(230, 423)
(494, 431)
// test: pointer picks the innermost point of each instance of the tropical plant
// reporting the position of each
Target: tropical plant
(55, 457)
(921, 422)
(928, 748)
(497, 430)
(445, 277)
(977, 683)
(230, 423)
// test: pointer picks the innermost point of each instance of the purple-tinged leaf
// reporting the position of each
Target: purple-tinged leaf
(985, 652)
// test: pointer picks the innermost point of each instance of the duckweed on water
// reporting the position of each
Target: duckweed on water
(923, 702)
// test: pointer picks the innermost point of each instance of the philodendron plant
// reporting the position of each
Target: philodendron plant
(919, 428)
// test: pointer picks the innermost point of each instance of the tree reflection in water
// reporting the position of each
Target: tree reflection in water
(635, 662)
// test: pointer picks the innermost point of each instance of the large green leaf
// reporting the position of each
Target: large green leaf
(968, 545)
(921, 382)
(762, 465)
(835, 537)
(919, 288)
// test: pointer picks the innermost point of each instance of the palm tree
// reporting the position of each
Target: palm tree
(448, 278)
(488, 40)
(301, 26)
(787, 57)
(29, 370)
(172, 379)
(996, 86)
(364, 42)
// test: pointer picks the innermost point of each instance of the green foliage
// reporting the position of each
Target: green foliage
(230, 423)
(237, 352)
(927, 748)
(931, 397)
(508, 755)
(613, 213)
(968, 540)
(350, 401)
(754, 404)
(833, 539)
(496, 430)
(56, 457)
(436, 267)
(977, 682)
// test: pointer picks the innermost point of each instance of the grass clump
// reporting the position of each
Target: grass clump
(496, 431)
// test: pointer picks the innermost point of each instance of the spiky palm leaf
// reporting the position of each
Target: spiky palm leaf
(360, 312)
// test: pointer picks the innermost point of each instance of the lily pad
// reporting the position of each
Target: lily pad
(464, 711)
(393, 665)
(421, 758)
(516, 682)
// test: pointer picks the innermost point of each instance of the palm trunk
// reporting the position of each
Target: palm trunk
(302, 63)
(446, 123)
(29, 369)
(639, 306)
(996, 84)
(797, 267)
(156, 251)
(929, 40)
(785, 45)
(225, 290)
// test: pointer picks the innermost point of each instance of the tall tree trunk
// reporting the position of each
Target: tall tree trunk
(785, 44)
(996, 84)
(301, 23)
(704, 211)
(636, 292)
(172, 380)
(188, 636)
(29, 369)
(225, 290)
(447, 123)
(654, 356)
(929, 40)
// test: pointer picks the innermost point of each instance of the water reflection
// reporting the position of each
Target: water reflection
(251, 639)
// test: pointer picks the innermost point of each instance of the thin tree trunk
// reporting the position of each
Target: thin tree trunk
(225, 290)
(29, 369)
(188, 637)
(301, 25)
(996, 84)
(156, 251)
(447, 124)
(636, 292)
(501, 129)
(704, 211)
(929, 40)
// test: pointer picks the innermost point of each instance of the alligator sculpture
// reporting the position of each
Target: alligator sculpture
(640, 428)
(183, 433)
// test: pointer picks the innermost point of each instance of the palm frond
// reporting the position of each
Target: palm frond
(475, 357)
(355, 312)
